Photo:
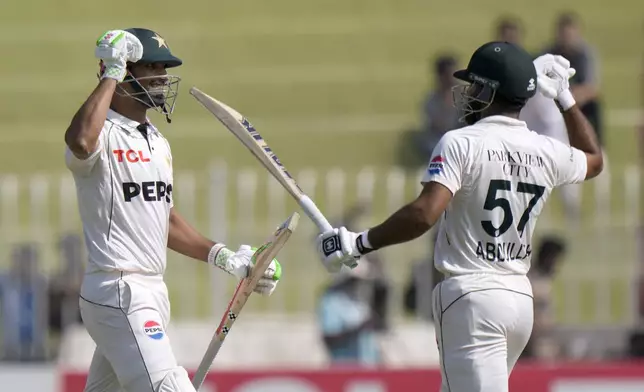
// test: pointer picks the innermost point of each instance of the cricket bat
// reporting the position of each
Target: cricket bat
(246, 133)
(262, 258)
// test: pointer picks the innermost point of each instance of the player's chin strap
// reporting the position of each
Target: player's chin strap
(167, 116)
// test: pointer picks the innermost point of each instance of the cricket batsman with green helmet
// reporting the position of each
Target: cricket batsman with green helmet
(122, 168)
(485, 186)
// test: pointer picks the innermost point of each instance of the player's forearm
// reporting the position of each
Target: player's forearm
(185, 239)
(83, 132)
(580, 132)
(406, 224)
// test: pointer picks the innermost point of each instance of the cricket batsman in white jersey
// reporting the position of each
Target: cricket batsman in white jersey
(122, 167)
(487, 183)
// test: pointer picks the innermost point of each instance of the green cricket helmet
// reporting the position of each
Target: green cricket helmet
(499, 71)
(161, 92)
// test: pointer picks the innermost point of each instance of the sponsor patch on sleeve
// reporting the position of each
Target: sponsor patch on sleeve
(436, 165)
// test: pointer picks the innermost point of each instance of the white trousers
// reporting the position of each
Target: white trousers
(127, 315)
(483, 323)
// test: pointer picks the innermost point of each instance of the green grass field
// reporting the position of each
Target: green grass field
(328, 84)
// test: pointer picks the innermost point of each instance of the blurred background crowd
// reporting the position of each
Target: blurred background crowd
(353, 311)
(37, 308)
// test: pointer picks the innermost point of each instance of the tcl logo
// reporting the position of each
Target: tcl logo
(149, 190)
(131, 156)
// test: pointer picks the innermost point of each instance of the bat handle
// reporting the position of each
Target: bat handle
(314, 214)
(321, 222)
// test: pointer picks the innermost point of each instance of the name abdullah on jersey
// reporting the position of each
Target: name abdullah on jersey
(503, 251)
(514, 165)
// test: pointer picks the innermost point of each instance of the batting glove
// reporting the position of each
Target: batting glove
(240, 264)
(114, 49)
(341, 247)
(553, 74)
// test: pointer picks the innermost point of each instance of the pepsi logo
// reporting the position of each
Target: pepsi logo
(436, 165)
(153, 330)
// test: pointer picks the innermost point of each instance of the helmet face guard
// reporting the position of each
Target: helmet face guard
(160, 95)
(473, 98)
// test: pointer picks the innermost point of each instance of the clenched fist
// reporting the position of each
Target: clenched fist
(553, 74)
(115, 49)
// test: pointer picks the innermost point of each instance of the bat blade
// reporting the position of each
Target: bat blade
(239, 126)
(263, 257)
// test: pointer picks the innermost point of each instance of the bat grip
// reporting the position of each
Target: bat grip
(314, 213)
(323, 225)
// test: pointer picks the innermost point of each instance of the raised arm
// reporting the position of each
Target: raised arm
(114, 49)
(82, 134)
(554, 73)
(582, 136)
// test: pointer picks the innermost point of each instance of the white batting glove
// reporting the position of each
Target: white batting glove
(240, 263)
(115, 48)
(341, 247)
(553, 74)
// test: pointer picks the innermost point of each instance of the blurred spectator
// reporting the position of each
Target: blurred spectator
(380, 284)
(542, 344)
(347, 321)
(64, 288)
(584, 85)
(509, 29)
(23, 295)
(438, 115)
(418, 292)
(635, 346)
(641, 119)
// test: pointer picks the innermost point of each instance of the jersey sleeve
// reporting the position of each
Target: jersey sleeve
(84, 166)
(571, 164)
(447, 163)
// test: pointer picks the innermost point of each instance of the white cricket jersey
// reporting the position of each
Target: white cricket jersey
(500, 174)
(124, 194)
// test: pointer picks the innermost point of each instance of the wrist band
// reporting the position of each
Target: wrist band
(363, 244)
(218, 255)
(117, 74)
(365, 239)
(566, 100)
